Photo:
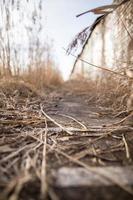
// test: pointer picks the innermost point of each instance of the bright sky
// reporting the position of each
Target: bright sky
(62, 25)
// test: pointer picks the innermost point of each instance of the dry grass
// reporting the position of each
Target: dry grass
(16, 87)
(113, 91)
(37, 81)
(30, 149)
(41, 77)
(33, 142)
(110, 91)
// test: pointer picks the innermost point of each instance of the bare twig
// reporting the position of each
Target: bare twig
(56, 123)
(123, 120)
(100, 10)
(11, 155)
(43, 167)
(19, 186)
(102, 174)
(126, 148)
(81, 124)
(99, 67)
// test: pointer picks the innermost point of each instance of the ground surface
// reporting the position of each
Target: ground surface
(63, 128)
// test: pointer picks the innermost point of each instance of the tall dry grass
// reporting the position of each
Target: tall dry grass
(41, 77)
(31, 83)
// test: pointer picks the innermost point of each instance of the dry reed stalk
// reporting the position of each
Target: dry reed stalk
(84, 128)
(21, 181)
(43, 167)
(105, 175)
(126, 148)
(90, 143)
(11, 155)
(52, 194)
(101, 174)
(122, 120)
(56, 123)
(100, 67)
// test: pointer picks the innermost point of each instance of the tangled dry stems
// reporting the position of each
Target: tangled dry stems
(110, 91)
(33, 143)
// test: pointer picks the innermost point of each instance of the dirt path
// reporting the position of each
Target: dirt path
(79, 133)
(77, 107)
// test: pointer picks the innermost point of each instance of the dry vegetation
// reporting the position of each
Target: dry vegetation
(40, 134)
(36, 140)
(43, 77)
(46, 124)
(110, 91)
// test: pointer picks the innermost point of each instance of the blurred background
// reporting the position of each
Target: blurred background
(33, 33)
